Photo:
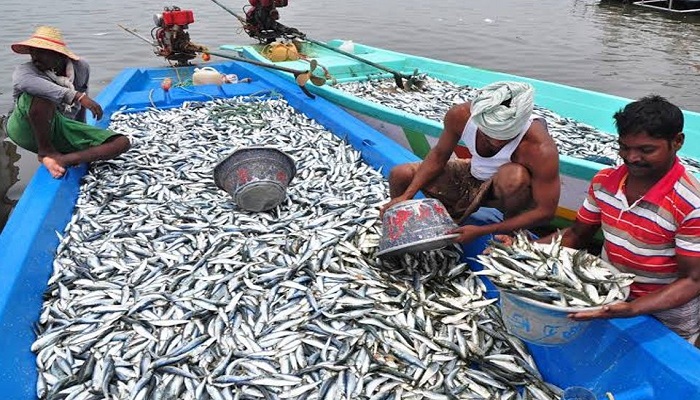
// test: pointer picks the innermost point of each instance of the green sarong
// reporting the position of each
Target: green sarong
(67, 135)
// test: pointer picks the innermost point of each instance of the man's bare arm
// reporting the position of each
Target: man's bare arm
(454, 122)
(686, 288)
(541, 158)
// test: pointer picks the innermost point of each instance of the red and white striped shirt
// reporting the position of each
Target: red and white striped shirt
(644, 238)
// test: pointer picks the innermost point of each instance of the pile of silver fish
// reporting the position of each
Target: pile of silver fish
(436, 96)
(163, 289)
(554, 274)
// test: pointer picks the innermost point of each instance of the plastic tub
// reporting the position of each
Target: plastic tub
(541, 323)
(536, 322)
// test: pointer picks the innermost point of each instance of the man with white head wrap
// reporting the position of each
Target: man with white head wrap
(514, 163)
(497, 120)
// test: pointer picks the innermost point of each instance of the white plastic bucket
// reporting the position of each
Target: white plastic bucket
(347, 46)
(539, 323)
(542, 323)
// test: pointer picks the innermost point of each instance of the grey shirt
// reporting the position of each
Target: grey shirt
(28, 79)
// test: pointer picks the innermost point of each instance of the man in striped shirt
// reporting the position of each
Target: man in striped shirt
(649, 212)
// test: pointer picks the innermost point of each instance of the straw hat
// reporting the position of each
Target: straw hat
(45, 37)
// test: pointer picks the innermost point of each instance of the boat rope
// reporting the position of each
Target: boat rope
(150, 98)
(254, 108)
(180, 82)
(196, 92)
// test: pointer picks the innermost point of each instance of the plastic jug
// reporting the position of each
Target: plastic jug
(347, 46)
(206, 76)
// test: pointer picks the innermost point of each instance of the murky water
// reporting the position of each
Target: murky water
(603, 46)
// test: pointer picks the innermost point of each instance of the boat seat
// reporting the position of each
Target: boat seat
(342, 66)
(339, 65)
(141, 98)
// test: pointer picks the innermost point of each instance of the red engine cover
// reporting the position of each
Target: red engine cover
(178, 17)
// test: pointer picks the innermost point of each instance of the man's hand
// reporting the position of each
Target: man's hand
(87, 102)
(391, 203)
(468, 233)
(616, 310)
(54, 163)
(507, 240)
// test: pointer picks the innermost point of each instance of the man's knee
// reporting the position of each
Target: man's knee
(511, 179)
(399, 178)
(402, 173)
(41, 108)
(511, 190)
(121, 142)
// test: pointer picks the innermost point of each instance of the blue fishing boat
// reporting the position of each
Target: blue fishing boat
(633, 359)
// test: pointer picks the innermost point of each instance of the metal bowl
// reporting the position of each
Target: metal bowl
(415, 226)
(256, 177)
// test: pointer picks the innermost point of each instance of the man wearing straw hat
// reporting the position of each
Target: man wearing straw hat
(514, 164)
(48, 118)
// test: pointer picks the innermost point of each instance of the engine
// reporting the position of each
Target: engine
(170, 33)
(261, 21)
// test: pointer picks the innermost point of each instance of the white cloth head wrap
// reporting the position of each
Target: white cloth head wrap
(496, 120)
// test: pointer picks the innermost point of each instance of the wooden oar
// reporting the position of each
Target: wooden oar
(301, 77)
(398, 76)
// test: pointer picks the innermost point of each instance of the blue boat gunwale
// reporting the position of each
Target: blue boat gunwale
(29, 242)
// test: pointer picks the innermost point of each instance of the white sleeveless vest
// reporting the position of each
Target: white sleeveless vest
(483, 168)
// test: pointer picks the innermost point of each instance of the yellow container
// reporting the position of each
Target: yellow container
(277, 52)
